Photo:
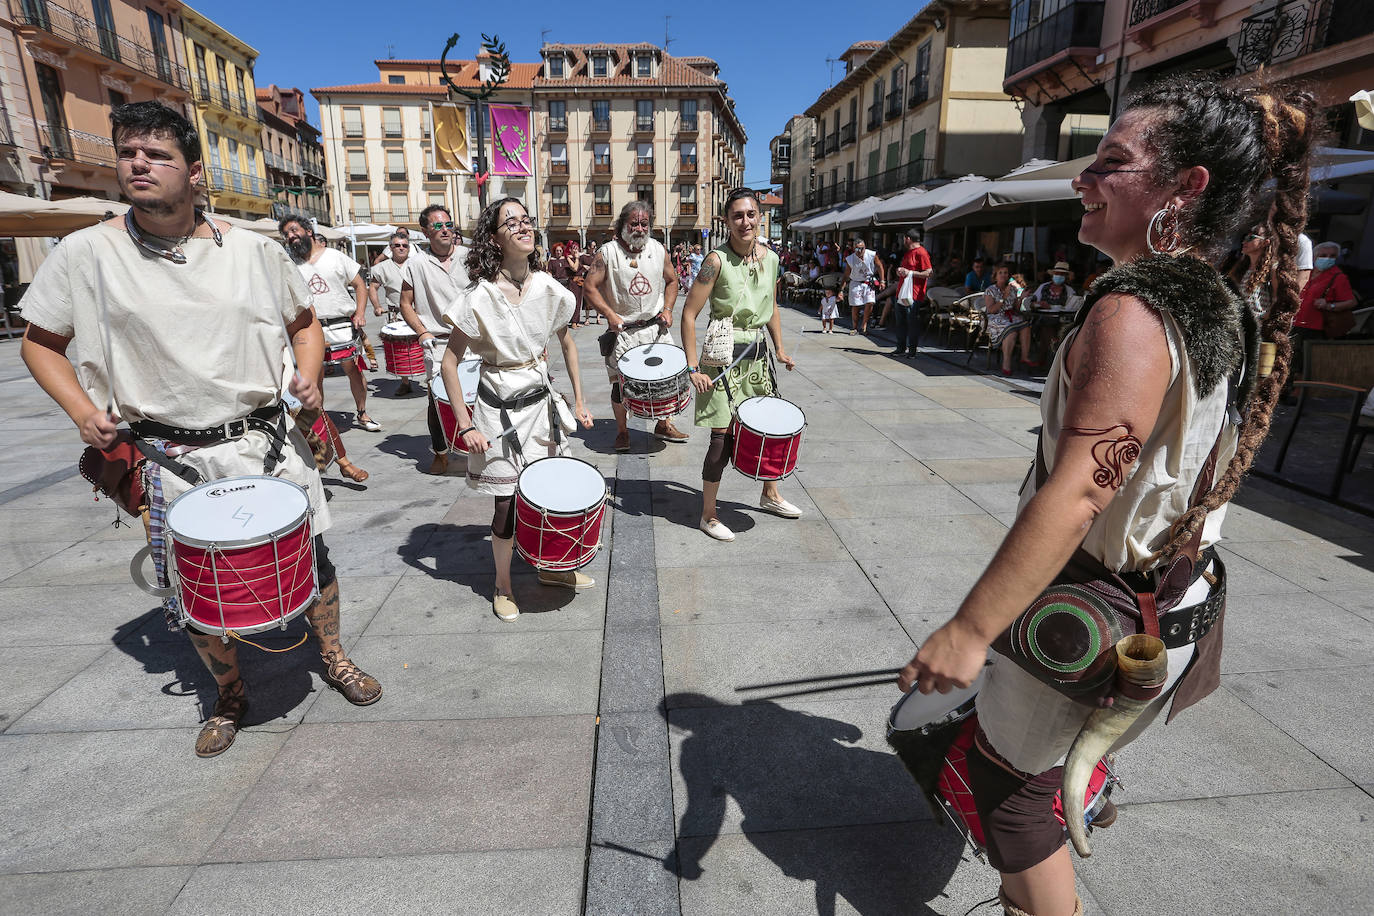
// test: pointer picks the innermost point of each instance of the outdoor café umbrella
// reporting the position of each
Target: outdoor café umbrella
(914, 205)
(818, 222)
(22, 216)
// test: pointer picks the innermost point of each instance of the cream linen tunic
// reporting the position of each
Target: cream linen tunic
(436, 288)
(635, 294)
(1029, 723)
(388, 275)
(510, 339)
(191, 345)
(327, 278)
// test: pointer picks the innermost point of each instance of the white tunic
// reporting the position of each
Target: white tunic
(388, 275)
(510, 339)
(436, 288)
(191, 345)
(327, 278)
(635, 293)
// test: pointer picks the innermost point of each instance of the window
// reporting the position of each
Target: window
(212, 142)
(395, 165)
(556, 67)
(400, 207)
(159, 39)
(223, 82)
(105, 28)
(558, 114)
(560, 200)
(601, 114)
(687, 157)
(601, 158)
(391, 123)
(645, 192)
(50, 87)
(357, 165)
(362, 207)
(202, 73)
(689, 114)
(920, 79)
(894, 95)
(117, 98)
(242, 85)
(396, 79)
(424, 123)
(688, 193)
(644, 115)
(600, 65)
(436, 198)
(558, 158)
(644, 158)
(601, 200)
(894, 152)
(644, 66)
(353, 122)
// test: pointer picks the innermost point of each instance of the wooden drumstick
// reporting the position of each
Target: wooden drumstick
(108, 344)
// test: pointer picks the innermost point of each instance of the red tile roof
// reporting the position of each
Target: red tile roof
(463, 72)
(673, 71)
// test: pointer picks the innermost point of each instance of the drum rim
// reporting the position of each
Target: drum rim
(275, 623)
(892, 715)
(257, 540)
(767, 435)
(605, 494)
(686, 363)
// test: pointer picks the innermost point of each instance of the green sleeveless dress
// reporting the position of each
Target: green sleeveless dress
(747, 297)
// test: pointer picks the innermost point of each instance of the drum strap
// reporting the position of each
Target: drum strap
(270, 420)
(519, 401)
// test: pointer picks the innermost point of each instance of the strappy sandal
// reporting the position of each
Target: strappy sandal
(352, 471)
(219, 731)
(357, 686)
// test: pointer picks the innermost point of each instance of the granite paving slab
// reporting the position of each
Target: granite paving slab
(1329, 636)
(434, 605)
(72, 614)
(980, 470)
(30, 673)
(111, 891)
(712, 594)
(913, 500)
(1315, 565)
(625, 880)
(936, 535)
(965, 439)
(768, 539)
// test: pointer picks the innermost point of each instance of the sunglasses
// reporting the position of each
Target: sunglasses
(440, 226)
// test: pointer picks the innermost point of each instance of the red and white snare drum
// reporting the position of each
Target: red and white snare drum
(654, 381)
(559, 504)
(919, 714)
(767, 434)
(469, 374)
(241, 555)
(405, 357)
(341, 343)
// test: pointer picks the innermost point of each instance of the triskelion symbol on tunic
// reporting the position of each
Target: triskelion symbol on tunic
(318, 284)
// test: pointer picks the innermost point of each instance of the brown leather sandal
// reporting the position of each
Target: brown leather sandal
(352, 471)
(357, 686)
(219, 731)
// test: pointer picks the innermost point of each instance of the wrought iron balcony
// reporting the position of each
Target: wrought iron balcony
(56, 19)
(644, 167)
(1078, 25)
(919, 90)
(558, 167)
(688, 126)
(558, 125)
(688, 208)
(832, 144)
(894, 103)
(76, 145)
(560, 210)
(601, 125)
(220, 97)
(1297, 27)
(601, 167)
(601, 209)
(1149, 9)
(847, 133)
(875, 116)
(222, 179)
(644, 125)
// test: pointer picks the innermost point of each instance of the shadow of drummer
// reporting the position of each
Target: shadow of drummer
(820, 807)
(680, 503)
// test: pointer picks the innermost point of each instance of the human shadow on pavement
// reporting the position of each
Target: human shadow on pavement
(680, 504)
(601, 437)
(462, 554)
(414, 449)
(819, 807)
(277, 682)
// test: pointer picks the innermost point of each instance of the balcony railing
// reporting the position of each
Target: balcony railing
(903, 176)
(563, 209)
(601, 125)
(644, 167)
(600, 167)
(396, 176)
(601, 209)
(558, 167)
(875, 117)
(847, 133)
(1077, 25)
(282, 209)
(688, 126)
(58, 20)
(1148, 9)
(644, 125)
(832, 144)
(353, 131)
(77, 145)
(222, 98)
(222, 179)
(919, 90)
(392, 132)
(687, 165)
(1297, 27)
(894, 104)
(558, 125)
(688, 208)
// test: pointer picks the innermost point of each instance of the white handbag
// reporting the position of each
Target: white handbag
(718, 347)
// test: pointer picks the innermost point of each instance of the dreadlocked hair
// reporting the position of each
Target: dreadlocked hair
(484, 258)
(1245, 134)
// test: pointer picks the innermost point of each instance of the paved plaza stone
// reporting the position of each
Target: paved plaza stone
(631, 749)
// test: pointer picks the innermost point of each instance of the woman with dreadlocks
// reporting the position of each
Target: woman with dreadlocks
(1137, 458)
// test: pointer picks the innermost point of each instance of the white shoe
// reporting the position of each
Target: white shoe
(717, 530)
(779, 507)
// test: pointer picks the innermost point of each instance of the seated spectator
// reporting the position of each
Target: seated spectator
(1325, 300)
(979, 278)
(1006, 325)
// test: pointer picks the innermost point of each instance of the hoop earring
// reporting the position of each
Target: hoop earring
(1165, 224)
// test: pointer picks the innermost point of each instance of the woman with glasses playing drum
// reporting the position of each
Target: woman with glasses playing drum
(506, 316)
(738, 279)
(1142, 446)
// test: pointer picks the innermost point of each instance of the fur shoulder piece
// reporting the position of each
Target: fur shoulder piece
(1190, 290)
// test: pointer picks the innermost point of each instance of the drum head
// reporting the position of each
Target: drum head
(561, 485)
(772, 416)
(917, 709)
(652, 362)
(469, 374)
(236, 509)
(398, 329)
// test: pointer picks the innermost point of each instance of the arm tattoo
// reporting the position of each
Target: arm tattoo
(597, 270)
(1113, 453)
(709, 268)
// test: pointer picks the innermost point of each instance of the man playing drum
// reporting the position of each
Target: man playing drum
(430, 285)
(738, 280)
(179, 324)
(633, 284)
(384, 287)
(339, 296)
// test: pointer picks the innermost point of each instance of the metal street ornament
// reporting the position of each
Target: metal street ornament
(494, 69)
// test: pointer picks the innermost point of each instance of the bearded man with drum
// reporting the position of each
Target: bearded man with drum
(429, 285)
(180, 324)
(633, 284)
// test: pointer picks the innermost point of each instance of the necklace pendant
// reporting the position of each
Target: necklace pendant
(633, 262)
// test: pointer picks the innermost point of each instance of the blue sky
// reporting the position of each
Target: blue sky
(773, 56)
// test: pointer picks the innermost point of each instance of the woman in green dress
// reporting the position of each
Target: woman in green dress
(738, 279)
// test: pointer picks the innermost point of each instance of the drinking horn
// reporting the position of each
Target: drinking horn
(1142, 665)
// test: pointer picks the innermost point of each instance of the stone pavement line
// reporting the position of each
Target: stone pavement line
(631, 830)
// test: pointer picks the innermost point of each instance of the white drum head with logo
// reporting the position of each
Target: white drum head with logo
(469, 374)
(236, 510)
(917, 709)
(399, 330)
(337, 335)
(563, 485)
(653, 362)
(772, 416)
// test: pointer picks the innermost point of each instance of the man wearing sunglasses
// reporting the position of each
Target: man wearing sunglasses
(430, 283)
(633, 284)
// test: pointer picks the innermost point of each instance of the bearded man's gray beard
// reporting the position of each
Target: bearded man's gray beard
(634, 240)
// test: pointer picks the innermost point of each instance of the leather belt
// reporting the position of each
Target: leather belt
(263, 419)
(332, 322)
(520, 400)
(1185, 625)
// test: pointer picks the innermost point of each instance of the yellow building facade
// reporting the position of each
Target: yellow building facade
(226, 112)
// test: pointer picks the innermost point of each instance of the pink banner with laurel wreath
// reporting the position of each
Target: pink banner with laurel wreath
(510, 140)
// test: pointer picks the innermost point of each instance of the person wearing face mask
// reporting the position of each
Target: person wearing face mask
(634, 285)
(1327, 300)
(1051, 301)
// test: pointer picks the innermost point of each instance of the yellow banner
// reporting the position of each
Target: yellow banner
(450, 138)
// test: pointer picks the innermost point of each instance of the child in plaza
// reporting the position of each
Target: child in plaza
(830, 310)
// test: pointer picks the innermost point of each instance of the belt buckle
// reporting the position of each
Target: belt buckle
(231, 433)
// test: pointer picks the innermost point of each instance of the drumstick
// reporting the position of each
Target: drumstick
(109, 346)
(877, 672)
(826, 689)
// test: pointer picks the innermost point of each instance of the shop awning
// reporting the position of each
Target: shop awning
(818, 222)
(861, 214)
(999, 201)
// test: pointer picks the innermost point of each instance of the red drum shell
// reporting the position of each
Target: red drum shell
(338, 355)
(557, 541)
(656, 408)
(763, 456)
(449, 421)
(404, 358)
